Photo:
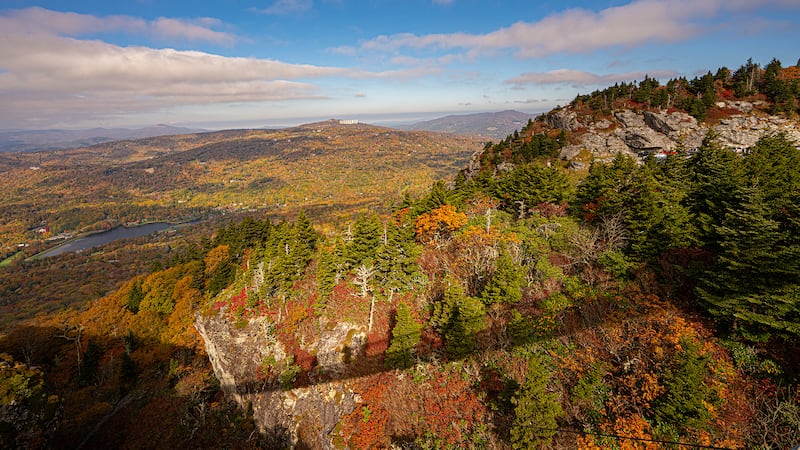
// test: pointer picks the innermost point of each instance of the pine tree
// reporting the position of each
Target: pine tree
(716, 175)
(754, 282)
(405, 336)
(135, 297)
(533, 184)
(684, 402)
(396, 259)
(536, 410)
(459, 318)
(330, 268)
(657, 220)
(604, 192)
(505, 285)
(367, 233)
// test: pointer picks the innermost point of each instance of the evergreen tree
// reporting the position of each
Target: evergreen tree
(604, 192)
(329, 270)
(716, 176)
(683, 404)
(754, 283)
(459, 318)
(396, 259)
(135, 297)
(367, 236)
(90, 363)
(505, 285)
(535, 409)
(406, 334)
(533, 184)
(657, 220)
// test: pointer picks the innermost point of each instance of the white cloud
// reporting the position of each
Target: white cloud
(39, 21)
(285, 7)
(580, 30)
(581, 78)
(46, 71)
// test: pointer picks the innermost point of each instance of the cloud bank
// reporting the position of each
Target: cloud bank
(580, 30)
(47, 69)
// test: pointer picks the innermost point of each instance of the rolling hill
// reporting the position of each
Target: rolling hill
(488, 125)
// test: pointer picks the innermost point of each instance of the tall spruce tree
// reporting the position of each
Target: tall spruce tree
(716, 177)
(505, 285)
(367, 234)
(535, 409)
(396, 259)
(754, 285)
(406, 334)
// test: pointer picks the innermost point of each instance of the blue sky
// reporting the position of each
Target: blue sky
(240, 63)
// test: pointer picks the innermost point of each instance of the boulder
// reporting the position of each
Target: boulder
(563, 119)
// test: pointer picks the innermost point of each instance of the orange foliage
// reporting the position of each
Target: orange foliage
(365, 426)
(439, 223)
(789, 73)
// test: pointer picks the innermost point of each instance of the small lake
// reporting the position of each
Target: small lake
(98, 239)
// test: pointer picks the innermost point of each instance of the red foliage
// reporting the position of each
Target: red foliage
(452, 409)
(365, 427)
(552, 210)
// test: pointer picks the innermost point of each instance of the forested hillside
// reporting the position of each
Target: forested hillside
(526, 303)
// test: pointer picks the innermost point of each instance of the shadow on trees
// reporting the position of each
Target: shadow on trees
(124, 392)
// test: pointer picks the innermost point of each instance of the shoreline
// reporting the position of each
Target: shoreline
(88, 234)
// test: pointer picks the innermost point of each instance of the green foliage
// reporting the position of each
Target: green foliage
(591, 392)
(617, 264)
(28, 413)
(536, 410)
(754, 281)
(748, 360)
(520, 329)
(406, 335)
(366, 238)
(245, 234)
(289, 373)
(605, 190)
(396, 259)
(135, 297)
(89, 364)
(330, 268)
(459, 318)
(505, 285)
(685, 402)
(657, 219)
(531, 185)
(716, 177)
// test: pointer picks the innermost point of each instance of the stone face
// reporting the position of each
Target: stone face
(658, 122)
(303, 416)
(643, 138)
(655, 131)
(563, 119)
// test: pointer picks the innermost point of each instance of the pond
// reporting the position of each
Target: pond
(102, 238)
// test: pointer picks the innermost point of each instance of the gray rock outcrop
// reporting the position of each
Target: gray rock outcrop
(563, 119)
(633, 132)
(302, 416)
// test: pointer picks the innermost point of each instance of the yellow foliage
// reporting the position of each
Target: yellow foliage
(215, 257)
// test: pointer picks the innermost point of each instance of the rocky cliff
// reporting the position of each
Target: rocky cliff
(636, 132)
(255, 370)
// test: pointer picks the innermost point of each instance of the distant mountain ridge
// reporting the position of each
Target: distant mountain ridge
(39, 140)
(493, 125)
